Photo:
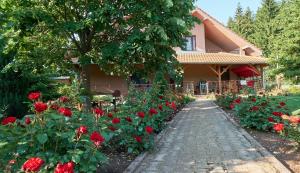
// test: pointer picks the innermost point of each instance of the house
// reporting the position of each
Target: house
(214, 59)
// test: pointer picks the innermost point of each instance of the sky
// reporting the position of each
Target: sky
(223, 9)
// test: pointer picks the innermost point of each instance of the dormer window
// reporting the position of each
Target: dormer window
(190, 43)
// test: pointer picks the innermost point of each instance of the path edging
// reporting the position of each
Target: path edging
(262, 150)
(138, 160)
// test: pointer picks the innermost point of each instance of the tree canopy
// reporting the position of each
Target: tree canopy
(116, 35)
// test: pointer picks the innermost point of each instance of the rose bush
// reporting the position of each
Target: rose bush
(65, 139)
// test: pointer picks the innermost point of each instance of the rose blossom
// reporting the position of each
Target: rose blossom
(65, 111)
(27, 120)
(98, 112)
(152, 111)
(40, 107)
(64, 99)
(81, 130)
(271, 119)
(278, 127)
(115, 120)
(97, 138)
(160, 107)
(34, 95)
(33, 164)
(278, 114)
(173, 106)
(282, 104)
(138, 139)
(64, 168)
(141, 114)
(128, 119)
(149, 129)
(8, 120)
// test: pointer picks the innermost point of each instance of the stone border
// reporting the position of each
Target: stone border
(262, 150)
(138, 160)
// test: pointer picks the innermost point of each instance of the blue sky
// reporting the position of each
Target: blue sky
(223, 9)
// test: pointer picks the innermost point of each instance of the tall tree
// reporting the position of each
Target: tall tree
(286, 43)
(116, 35)
(242, 23)
(265, 28)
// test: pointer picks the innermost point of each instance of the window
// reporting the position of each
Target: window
(190, 43)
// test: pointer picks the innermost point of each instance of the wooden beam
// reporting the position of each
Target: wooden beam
(225, 69)
(213, 69)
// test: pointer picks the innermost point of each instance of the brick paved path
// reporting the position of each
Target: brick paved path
(201, 139)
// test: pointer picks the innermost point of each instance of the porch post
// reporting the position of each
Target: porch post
(220, 79)
(262, 76)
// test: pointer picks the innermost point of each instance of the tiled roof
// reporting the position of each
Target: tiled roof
(217, 58)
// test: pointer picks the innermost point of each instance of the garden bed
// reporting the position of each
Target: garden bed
(284, 150)
(119, 159)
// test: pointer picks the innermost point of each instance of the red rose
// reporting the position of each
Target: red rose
(34, 95)
(65, 111)
(271, 119)
(149, 129)
(160, 107)
(138, 139)
(278, 114)
(255, 108)
(115, 120)
(8, 120)
(98, 112)
(231, 106)
(63, 99)
(110, 115)
(112, 128)
(237, 101)
(27, 120)
(278, 127)
(40, 107)
(33, 164)
(167, 104)
(97, 139)
(282, 104)
(54, 107)
(152, 111)
(81, 130)
(253, 99)
(128, 119)
(173, 106)
(64, 168)
(160, 97)
(141, 114)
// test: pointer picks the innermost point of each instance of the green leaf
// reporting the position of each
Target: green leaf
(42, 138)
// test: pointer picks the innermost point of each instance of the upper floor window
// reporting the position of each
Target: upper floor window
(190, 43)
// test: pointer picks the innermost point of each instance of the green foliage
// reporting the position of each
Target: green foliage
(286, 43)
(55, 137)
(242, 23)
(225, 100)
(107, 32)
(255, 112)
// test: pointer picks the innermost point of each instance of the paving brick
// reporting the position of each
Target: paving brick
(201, 139)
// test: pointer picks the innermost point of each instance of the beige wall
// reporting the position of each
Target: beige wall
(212, 47)
(102, 83)
(199, 72)
(199, 32)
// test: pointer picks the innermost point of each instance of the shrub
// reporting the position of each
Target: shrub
(259, 112)
(225, 100)
(60, 137)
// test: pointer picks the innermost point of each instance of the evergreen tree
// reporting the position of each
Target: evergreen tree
(242, 23)
(286, 50)
(265, 29)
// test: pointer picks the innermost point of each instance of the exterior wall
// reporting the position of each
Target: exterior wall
(102, 83)
(199, 32)
(212, 47)
(196, 73)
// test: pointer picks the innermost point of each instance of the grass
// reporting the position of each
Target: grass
(292, 102)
